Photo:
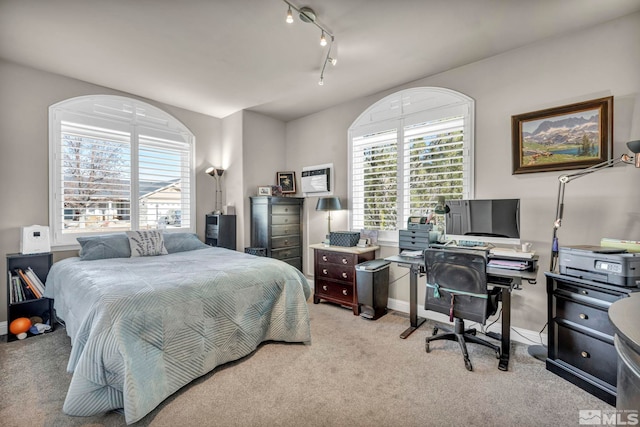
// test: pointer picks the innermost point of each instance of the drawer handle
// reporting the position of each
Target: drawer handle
(344, 275)
(286, 220)
(324, 287)
(324, 257)
(286, 209)
(585, 354)
(324, 271)
(584, 292)
(344, 260)
(344, 292)
(286, 242)
(583, 316)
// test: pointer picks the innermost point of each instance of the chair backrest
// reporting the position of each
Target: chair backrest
(459, 272)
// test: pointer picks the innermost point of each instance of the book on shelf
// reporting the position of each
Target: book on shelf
(35, 280)
(29, 287)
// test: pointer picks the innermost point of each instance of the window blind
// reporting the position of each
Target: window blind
(374, 178)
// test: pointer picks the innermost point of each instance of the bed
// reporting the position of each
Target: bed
(142, 327)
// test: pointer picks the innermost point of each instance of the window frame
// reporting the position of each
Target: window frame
(398, 111)
(124, 114)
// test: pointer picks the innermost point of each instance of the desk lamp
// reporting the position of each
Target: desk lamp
(634, 147)
(328, 204)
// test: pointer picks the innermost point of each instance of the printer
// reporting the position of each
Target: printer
(614, 266)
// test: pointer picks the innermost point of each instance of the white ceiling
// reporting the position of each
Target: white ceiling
(220, 56)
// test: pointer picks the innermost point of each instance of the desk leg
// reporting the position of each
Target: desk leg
(503, 365)
(414, 320)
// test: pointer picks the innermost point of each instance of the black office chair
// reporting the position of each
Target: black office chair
(457, 286)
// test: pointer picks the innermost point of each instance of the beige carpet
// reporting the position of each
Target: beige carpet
(356, 372)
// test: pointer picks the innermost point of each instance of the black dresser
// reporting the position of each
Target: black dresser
(276, 225)
(581, 345)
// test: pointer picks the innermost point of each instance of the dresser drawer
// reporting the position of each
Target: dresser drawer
(296, 262)
(285, 219)
(285, 241)
(589, 354)
(334, 291)
(335, 271)
(285, 230)
(327, 257)
(285, 210)
(598, 295)
(286, 253)
(583, 315)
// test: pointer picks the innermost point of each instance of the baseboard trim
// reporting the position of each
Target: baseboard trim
(520, 335)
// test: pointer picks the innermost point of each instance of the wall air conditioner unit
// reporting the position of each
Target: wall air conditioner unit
(317, 180)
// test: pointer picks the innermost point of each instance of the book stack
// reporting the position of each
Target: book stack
(24, 285)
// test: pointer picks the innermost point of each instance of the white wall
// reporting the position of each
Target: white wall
(601, 61)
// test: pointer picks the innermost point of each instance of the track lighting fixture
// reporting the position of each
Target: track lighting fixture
(308, 15)
(289, 16)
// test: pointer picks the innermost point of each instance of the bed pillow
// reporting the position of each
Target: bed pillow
(181, 242)
(104, 246)
(146, 243)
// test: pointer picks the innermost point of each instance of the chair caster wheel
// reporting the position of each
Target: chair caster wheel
(497, 354)
(426, 347)
(467, 364)
(435, 331)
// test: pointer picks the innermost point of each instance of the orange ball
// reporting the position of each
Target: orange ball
(19, 325)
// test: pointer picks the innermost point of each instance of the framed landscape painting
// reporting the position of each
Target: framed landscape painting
(569, 137)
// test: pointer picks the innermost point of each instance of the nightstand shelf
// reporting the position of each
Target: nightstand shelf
(220, 231)
(42, 307)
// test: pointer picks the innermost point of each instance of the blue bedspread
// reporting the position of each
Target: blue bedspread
(142, 328)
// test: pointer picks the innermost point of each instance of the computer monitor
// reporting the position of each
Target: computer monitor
(477, 222)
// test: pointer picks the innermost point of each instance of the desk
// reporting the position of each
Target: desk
(493, 276)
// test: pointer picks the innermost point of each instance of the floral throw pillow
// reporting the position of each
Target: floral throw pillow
(146, 243)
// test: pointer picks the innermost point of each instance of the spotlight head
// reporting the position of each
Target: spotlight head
(323, 40)
(289, 19)
(321, 82)
(333, 61)
(634, 146)
(211, 171)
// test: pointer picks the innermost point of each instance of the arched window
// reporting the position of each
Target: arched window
(405, 151)
(117, 164)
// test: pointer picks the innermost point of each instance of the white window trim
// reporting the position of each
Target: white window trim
(407, 107)
(122, 112)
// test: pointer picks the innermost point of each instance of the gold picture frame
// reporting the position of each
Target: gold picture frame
(572, 136)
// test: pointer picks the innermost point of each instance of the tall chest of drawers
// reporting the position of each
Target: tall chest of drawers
(580, 347)
(276, 225)
(335, 273)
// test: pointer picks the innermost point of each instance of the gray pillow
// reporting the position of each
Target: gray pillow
(181, 242)
(104, 246)
(146, 243)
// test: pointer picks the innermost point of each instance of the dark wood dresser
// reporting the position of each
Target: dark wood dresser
(335, 273)
(276, 225)
(581, 348)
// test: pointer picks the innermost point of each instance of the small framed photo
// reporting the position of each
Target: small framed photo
(276, 190)
(287, 180)
(264, 190)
